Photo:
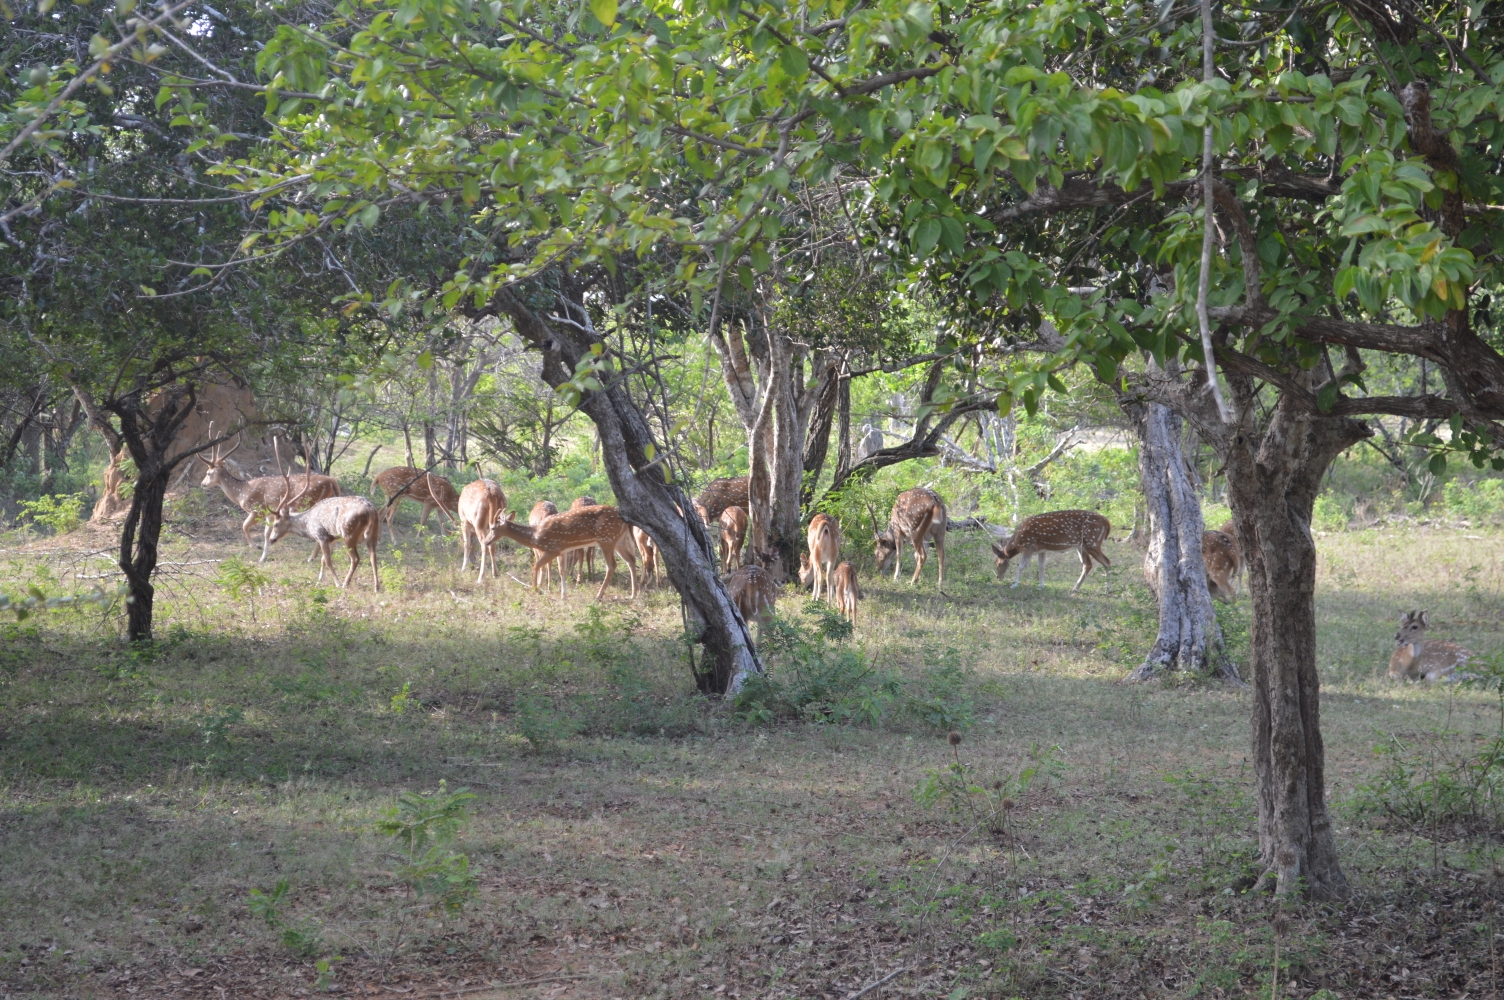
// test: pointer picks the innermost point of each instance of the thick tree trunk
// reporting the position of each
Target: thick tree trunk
(843, 427)
(786, 461)
(1273, 492)
(1189, 639)
(644, 498)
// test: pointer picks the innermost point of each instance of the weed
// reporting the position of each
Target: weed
(1437, 786)
(241, 579)
(303, 940)
(984, 803)
(402, 699)
(542, 725)
(425, 826)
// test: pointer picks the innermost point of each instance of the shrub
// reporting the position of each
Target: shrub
(1438, 786)
(1479, 501)
(59, 514)
(1328, 514)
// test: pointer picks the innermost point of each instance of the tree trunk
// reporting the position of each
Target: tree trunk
(787, 459)
(817, 440)
(149, 435)
(1273, 492)
(644, 498)
(843, 426)
(1189, 639)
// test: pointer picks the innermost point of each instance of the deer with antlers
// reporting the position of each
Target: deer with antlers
(733, 535)
(917, 514)
(259, 497)
(406, 483)
(352, 520)
(579, 528)
(816, 565)
(1416, 657)
(480, 507)
(1056, 531)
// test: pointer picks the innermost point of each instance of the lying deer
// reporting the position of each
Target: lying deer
(433, 492)
(350, 519)
(480, 505)
(579, 528)
(844, 591)
(733, 536)
(1057, 531)
(917, 514)
(1416, 657)
(1220, 554)
(260, 496)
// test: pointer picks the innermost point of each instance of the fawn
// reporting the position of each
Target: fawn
(260, 496)
(577, 528)
(754, 588)
(350, 519)
(917, 514)
(1416, 657)
(1057, 531)
(480, 504)
(844, 591)
(433, 492)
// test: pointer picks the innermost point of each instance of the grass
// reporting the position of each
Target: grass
(630, 839)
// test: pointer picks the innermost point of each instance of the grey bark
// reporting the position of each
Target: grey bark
(1189, 639)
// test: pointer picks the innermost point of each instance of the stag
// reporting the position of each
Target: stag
(351, 519)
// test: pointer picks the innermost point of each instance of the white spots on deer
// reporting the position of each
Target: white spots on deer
(1056, 531)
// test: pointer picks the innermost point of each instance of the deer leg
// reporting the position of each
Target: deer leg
(245, 528)
(324, 548)
(1018, 571)
(940, 560)
(918, 560)
(1041, 569)
(1085, 569)
(610, 556)
(371, 542)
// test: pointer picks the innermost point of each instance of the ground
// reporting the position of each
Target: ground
(628, 839)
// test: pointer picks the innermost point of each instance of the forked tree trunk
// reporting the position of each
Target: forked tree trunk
(786, 460)
(1273, 491)
(643, 496)
(1189, 639)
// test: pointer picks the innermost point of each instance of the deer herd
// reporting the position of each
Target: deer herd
(313, 506)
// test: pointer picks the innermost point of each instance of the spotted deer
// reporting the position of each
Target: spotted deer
(1232, 536)
(577, 528)
(844, 590)
(754, 588)
(917, 514)
(1220, 554)
(352, 519)
(719, 494)
(733, 536)
(1416, 657)
(816, 565)
(259, 497)
(480, 505)
(1057, 531)
(542, 509)
(580, 561)
(433, 492)
(648, 550)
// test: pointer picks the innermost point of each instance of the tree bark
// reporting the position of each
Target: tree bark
(843, 425)
(643, 496)
(787, 459)
(1189, 638)
(826, 395)
(1273, 490)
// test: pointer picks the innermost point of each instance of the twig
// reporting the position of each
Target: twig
(521, 982)
(881, 982)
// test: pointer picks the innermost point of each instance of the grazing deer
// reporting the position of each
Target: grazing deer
(1220, 554)
(648, 550)
(732, 537)
(917, 514)
(719, 494)
(352, 519)
(580, 561)
(260, 496)
(824, 538)
(1416, 657)
(433, 492)
(480, 505)
(844, 591)
(754, 588)
(1057, 531)
(577, 528)
(1232, 535)
(542, 509)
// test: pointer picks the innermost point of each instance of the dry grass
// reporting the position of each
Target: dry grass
(645, 843)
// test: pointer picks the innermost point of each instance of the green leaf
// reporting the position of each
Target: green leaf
(760, 259)
(926, 236)
(1327, 397)
(148, 291)
(604, 11)
(794, 62)
(369, 215)
(425, 360)
(1438, 464)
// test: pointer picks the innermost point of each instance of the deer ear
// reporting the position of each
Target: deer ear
(1425, 618)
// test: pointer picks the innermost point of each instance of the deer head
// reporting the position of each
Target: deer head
(216, 462)
(1413, 627)
(282, 517)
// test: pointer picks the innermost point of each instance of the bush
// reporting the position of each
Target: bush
(1481, 501)
(59, 514)
(1328, 514)
(1438, 786)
